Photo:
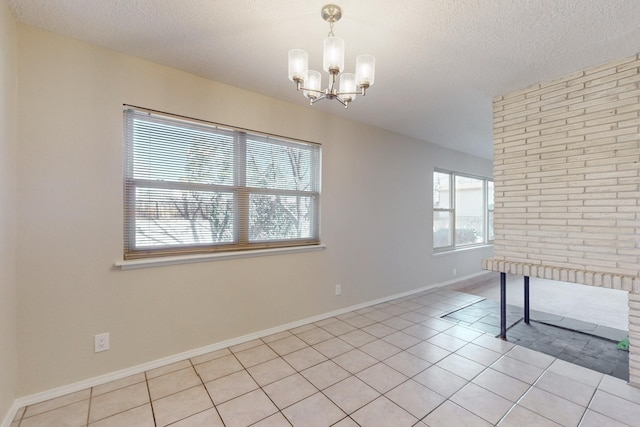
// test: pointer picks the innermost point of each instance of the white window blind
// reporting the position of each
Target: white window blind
(193, 187)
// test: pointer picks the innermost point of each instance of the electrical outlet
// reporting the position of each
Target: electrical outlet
(101, 342)
(338, 289)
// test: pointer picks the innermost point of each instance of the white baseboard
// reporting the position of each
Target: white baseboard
(470, 277)
(116, 375)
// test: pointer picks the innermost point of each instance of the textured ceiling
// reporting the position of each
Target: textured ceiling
(438, 62)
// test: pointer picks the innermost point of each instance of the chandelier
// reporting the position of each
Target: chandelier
(310, 81)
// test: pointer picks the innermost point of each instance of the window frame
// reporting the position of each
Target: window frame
(239, 189)
(452, 211)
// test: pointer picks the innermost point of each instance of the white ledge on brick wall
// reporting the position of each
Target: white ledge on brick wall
(184, 259)
(583, 277)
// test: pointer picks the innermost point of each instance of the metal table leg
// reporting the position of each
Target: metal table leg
(503, 306)
(526, 299)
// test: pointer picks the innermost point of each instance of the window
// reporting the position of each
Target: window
(462, 210)
(196, 187)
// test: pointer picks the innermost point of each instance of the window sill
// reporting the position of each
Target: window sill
(160, 262)
(467, 248)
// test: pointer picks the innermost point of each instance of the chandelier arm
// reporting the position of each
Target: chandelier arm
(320, 98)
(341, 101)
(312, 90)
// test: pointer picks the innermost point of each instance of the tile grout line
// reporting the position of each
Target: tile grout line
(202, 383)
(89, 409)
(526, 392)
(593, 395)
(538, 379)
(153, 412)
(261, 388)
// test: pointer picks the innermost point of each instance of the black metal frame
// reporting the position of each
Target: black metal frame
(503, 304)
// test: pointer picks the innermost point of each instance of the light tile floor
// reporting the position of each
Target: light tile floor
(395, 364)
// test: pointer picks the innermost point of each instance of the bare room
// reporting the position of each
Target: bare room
(284, 213)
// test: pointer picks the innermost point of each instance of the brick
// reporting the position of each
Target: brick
(612, 189)
(606, 146)
(540, 163)
(629, 194)
(600, 103)
(612, 132)
(624, 63)
(632, 79)
(582, 130)
(631, 180)
(601, 159)
(562, 164)
(592, 116)
(590, 209)
(564, 178)
(620, 91)
(555, 100)
(516, 112)
(629, 122)
(617, 76)
(518, 123)
(506, 134)
(547, 149)
(628, 108)
(537, 124)
(592, 169)
(628, 166)
(585, 196)
(554, 113)
(521, 137)
(551, 87)
(630, 93)
(587, 90)
(621, 152)
(564, 128)
(633, 62)
(509, 98)
(605, 106)
(563, 202)
(567, 153)
(526, 101)
(573, 142)
(569, 115)
(592, 74)
(571, 103)
(614, 175)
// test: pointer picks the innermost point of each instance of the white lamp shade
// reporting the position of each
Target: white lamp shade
(298, 64)
(333, 54)
(348, 84)
(314, 81)
(365, 70)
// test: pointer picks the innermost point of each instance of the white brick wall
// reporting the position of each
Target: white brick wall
(567, 183)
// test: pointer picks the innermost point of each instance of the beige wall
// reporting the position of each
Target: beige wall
(378, 236)
(8, 144)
